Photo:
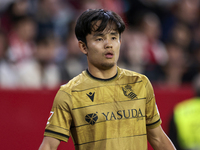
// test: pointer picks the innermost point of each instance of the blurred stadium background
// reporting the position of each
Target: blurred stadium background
(39, 52)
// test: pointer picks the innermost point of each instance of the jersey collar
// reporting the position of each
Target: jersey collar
(109, 79)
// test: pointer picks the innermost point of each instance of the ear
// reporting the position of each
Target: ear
(82, 47)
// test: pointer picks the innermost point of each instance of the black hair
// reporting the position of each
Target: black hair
(87, 20)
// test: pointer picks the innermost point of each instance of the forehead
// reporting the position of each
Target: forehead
(96, 27)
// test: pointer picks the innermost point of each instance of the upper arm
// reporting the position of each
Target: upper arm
(59, 123)
(158, 139)
(152, 114)
(49, 143)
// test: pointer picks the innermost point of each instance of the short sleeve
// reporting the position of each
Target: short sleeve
(59, 121)
(152, 114)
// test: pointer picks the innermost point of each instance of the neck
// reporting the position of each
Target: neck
(103, 74)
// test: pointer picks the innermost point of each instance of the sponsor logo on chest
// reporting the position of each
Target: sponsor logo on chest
(120, 114)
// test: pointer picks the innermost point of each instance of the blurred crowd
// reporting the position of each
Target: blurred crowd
(38, 47)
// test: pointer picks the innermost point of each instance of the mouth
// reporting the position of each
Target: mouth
(109, 55)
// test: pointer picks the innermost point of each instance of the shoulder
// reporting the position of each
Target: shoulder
(124, 73)
(64, 95)
(74, 83)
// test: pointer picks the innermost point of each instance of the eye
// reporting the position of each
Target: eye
(114, 38)
(99, 39)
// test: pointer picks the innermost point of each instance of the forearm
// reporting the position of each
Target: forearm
(49, 143)
(45, 147)
(164, 143)
(159, 140)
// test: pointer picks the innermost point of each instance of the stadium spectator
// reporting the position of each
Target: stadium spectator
(175, 67)
(21, 39)
(41, 71)
(14, 10)
(8, 77)
(143, 49)
(53, 16)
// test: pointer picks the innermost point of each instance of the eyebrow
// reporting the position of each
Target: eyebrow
(114, 33)
(98, 34)
(101, 34)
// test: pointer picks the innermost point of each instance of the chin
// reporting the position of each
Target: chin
(106, 66)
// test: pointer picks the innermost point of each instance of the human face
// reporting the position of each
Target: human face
(103, 48)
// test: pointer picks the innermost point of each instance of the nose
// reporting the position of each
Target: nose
(108, 44)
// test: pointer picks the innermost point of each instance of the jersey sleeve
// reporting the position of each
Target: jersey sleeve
(152, 114)
(59, 121)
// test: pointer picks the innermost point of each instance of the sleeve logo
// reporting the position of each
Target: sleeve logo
(50, 115)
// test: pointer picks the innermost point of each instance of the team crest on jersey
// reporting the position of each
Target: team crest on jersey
(91, 118)
(128, 91)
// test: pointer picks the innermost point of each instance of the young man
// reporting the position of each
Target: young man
(105, 107)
